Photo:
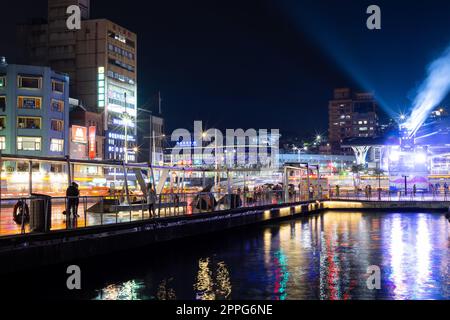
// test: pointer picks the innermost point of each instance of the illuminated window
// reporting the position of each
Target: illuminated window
(2, 103)
(57, 125)
(2, 123)
(24, 167)
(2, 81)
(57, 105)
(56, 145)
(28, 122)
(57, 168)
(101, 87)
(29, 102)
(58, 86)
(29, 143)
(2, 143)
(29, 82)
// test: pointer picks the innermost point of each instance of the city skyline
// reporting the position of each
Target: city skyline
(236, 151)
(284, 68)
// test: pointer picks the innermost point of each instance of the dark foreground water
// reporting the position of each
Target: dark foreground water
(320, 257)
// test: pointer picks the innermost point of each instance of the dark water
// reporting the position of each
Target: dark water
(319, 257)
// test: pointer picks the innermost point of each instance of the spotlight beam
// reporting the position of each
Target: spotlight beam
(432, 91)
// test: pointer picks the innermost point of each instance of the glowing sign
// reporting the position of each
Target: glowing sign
(79, 134)
(92, 145)
(101, 87)
(119, 109)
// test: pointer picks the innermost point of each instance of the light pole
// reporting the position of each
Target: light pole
(216, 164)
(406, 184)
(379, 180)
(126, 119)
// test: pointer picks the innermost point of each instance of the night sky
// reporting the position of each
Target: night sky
(267, 64)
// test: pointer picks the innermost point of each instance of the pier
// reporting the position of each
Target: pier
(35, 229)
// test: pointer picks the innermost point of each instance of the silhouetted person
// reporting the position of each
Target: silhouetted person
(151, 200)
(72, 194)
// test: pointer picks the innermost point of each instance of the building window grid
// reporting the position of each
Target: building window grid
(24, 102)
(57, 125)
(57, 86)
(57, 145)
(29, 122)
(3, 103)
(125, 53)
(29, 82)
(29, 143)
(57, 105)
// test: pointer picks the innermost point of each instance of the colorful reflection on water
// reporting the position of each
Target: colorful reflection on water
(324, 256)
(321, 257)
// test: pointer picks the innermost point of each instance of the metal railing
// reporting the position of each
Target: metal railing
(41, 214)
(389, 195)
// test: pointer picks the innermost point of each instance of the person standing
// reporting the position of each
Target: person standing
(76, 200)
(311, 192)
(72, 194)
(151, 200)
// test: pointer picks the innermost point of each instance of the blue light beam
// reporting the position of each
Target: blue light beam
(431, 92)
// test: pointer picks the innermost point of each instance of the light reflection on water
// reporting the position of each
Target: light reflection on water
(320, 257)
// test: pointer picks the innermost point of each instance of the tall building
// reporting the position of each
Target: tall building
(34, 111)
(102, 64)
(86, 133)
(351, 115)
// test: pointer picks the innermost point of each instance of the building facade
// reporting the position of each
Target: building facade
(34, 111)
(101, 60)
(86, 133)
(351, 115)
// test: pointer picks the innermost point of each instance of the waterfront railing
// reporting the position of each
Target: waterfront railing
(42, 214)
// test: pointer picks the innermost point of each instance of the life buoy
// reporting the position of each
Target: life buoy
(20, 209)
